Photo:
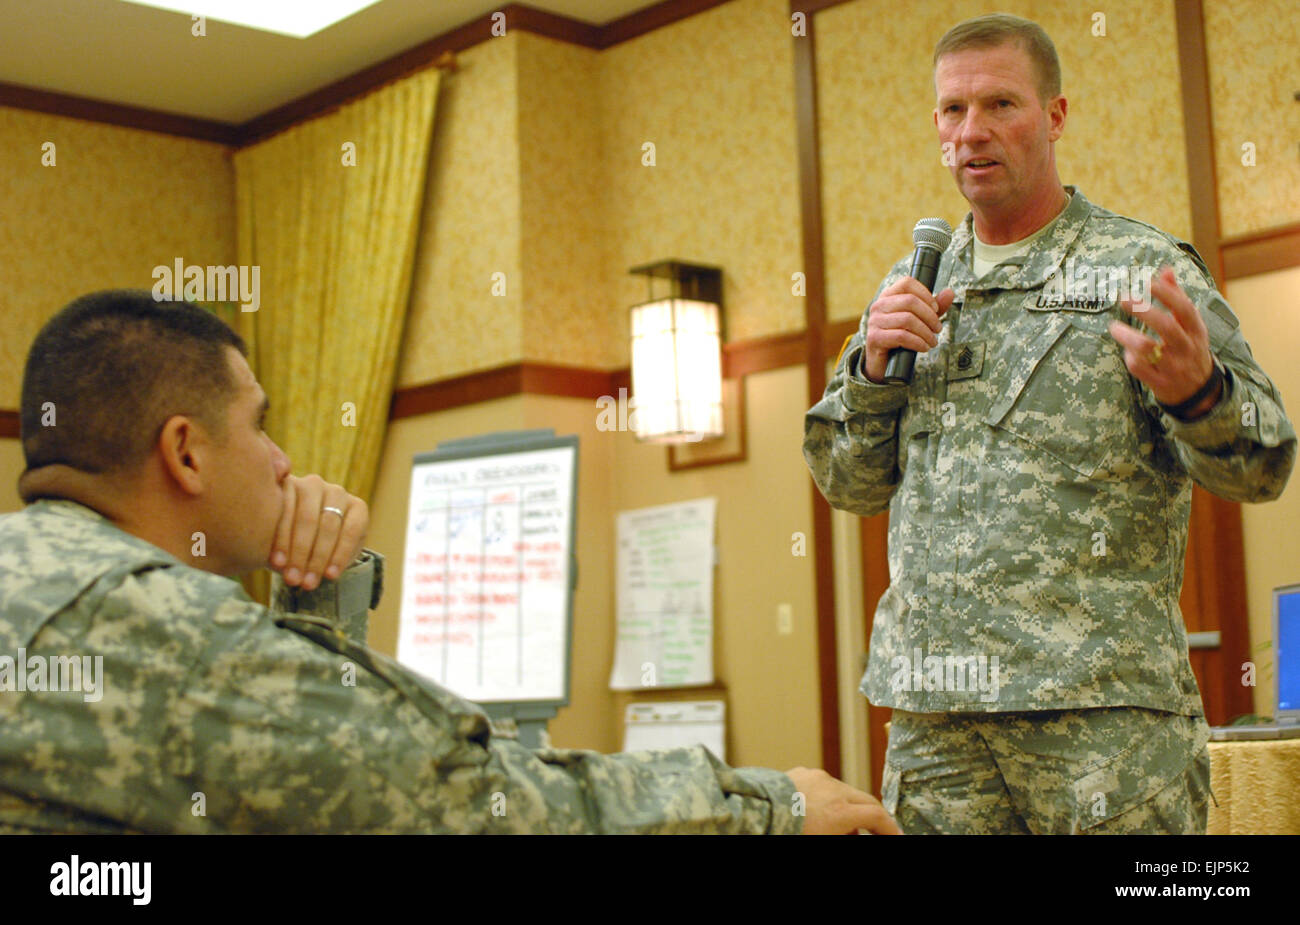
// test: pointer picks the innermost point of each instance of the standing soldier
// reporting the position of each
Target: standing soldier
(1038, 471)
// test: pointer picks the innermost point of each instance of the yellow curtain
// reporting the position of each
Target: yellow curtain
(329, 211)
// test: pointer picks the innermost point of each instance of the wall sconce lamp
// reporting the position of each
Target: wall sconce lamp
(677, 354)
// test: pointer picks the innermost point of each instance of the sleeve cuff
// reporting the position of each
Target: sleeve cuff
(345, 601)
(779, 789)
(1220, 426)
(866, 397)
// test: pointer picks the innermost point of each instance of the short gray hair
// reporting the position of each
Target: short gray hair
(1000, 28)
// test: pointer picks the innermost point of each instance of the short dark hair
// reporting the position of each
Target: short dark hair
(112, 367)
(1000, 28)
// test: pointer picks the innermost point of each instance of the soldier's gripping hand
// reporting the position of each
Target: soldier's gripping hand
(834, 808)
(320, 531)
(906, 315)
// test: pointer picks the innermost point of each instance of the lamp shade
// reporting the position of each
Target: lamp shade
(677, 370)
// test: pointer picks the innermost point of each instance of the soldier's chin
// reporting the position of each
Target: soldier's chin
(255, 556)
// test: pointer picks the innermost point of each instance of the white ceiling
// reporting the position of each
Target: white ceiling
(140, 56)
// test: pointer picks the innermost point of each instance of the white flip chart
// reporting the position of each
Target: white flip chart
(486, 584)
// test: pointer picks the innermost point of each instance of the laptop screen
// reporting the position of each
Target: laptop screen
(1288, 649)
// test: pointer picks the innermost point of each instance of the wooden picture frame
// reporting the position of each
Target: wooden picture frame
(732, 446)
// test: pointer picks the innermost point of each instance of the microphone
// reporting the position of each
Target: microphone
(931, 237)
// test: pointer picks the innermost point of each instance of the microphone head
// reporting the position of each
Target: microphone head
(932, 232)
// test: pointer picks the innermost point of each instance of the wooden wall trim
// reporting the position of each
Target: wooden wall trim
(149, 120)
(519, 17)
(1261, 252)
(565, 381)
(488, 384)
(650, 19)
(1214, 538)
(873, 533)
(813, 6)
(834, 334)
(1202, 183)
(739, 359)
(814, 268)
(552, 25)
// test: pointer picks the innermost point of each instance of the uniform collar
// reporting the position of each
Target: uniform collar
(67, 507)
(63, 507)
(1032, 270)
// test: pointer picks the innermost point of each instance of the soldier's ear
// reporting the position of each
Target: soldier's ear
(1057, 108)
(182, 448)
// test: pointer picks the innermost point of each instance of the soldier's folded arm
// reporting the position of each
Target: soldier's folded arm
(292, 728)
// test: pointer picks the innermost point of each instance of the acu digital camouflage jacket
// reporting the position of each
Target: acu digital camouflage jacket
(1038, 495)
(213, 714)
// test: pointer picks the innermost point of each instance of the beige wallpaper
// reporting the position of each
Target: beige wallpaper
(471, 225)
(715, 94)
(116, 203)
(538, 173)
(1253, 48)
(880, 158)
(568, 313)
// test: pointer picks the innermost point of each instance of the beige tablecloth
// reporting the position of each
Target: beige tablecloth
(1257, 785)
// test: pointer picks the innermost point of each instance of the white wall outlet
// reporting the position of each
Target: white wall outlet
(784, 619)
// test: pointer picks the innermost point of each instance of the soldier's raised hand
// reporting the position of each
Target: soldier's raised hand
(320, 531)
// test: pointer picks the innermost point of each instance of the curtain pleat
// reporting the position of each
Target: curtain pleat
(336, 247)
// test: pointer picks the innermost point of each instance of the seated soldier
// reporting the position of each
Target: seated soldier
(149, 484)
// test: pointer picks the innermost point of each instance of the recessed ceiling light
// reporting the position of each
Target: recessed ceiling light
(296, 19)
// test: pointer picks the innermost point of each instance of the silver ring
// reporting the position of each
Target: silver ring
(332, 510)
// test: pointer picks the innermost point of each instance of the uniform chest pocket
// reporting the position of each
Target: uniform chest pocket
(1067, 394)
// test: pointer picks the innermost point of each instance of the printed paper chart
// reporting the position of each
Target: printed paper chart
(665, 596)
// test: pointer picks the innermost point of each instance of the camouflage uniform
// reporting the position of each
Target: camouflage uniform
(211, 703)
(1102, 771)
(1038, 494)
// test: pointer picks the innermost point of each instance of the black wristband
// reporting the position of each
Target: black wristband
(1180, 410)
